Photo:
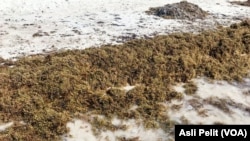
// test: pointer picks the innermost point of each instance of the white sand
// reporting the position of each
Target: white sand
(78, 24)
(231, 95)
(80, 130)
(5, 126)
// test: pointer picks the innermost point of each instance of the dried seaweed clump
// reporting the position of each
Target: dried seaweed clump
(243, 3)
(190, 88)
(181, 10)
(47, 91)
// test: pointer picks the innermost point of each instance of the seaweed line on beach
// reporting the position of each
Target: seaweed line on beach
(47, 91)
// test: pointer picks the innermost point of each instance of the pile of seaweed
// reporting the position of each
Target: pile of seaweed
(245, 3)
(45, 92)
(181, 10)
